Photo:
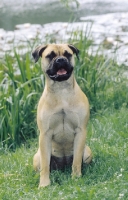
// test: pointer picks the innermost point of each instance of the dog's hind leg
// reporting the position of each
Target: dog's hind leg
(87, 155)
(36, 161)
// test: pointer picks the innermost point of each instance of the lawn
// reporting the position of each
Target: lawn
(106, 177)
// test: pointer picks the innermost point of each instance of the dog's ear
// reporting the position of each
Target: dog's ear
(74, 49)
(38, 52)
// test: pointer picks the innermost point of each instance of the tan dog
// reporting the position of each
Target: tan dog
(62, 114)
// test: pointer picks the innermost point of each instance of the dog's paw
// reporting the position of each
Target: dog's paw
(44, 183)
(76, 175)
(87, 156)
(76, 171)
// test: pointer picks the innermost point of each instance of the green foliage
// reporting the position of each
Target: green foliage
(100, 78)
(21, 86)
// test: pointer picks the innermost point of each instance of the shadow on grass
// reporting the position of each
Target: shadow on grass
(101, 169)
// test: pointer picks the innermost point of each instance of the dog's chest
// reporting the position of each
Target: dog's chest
(62, 122)
(67, 119)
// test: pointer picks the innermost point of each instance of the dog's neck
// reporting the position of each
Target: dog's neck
(55, 86)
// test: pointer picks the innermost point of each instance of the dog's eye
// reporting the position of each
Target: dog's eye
(51, 55)
(67, 55)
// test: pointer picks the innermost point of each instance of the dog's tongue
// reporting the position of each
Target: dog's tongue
(61, 72)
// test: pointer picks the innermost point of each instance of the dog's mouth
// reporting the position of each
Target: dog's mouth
(60, 71)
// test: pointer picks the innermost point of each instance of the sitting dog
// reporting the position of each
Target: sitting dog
(62, 114)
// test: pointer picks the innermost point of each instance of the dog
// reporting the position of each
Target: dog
(62, 114)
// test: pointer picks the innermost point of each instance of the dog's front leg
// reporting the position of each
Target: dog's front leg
(45, 156)
(79, 144)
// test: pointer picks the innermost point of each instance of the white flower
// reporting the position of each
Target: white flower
(121, 169)
(121, 195)
(119, 175)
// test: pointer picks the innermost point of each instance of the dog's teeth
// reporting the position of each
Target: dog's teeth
(54, 76)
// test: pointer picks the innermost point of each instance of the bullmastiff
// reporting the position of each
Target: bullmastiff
(62, 114)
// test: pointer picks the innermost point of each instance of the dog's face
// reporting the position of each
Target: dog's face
(57, 60)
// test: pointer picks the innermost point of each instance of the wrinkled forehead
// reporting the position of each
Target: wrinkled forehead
(58, 49)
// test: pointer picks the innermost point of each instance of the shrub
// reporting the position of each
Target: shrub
(21, 87)
(100, 78)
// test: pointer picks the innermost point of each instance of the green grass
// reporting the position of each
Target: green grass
(106, 178)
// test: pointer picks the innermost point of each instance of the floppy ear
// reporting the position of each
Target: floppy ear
(38, 52)
(74, 49)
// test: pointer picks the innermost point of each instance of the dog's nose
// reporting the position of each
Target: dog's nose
(60, 59)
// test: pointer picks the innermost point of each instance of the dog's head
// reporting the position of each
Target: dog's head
(57, 60)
